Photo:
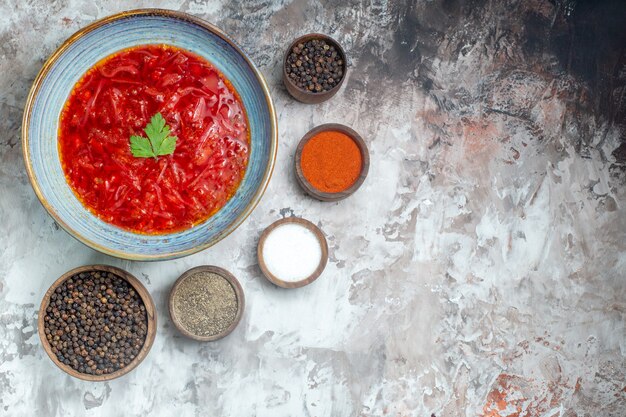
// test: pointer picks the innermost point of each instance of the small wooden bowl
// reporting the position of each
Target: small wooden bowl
(318, 271)
(306, 96)
(306, 185)
(150, 313)
(238, 292)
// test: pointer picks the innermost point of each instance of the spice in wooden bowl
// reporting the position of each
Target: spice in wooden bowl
(331, 162)
(97, 322)
(206, 303)
(314, 67)
(292, 252)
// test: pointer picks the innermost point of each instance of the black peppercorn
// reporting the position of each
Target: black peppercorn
(314, 57)
(92, 336)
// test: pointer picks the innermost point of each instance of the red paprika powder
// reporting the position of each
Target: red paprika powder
(331, 161)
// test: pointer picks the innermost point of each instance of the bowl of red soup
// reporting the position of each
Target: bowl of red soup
(149, 135)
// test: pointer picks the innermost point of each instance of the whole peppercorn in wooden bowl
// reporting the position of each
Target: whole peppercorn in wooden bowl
(97, 322)
(314, 68)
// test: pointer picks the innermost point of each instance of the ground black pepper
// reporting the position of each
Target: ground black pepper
(205, 304)
(96, 323)
(315, 66)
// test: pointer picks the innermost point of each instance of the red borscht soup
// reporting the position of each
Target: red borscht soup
(190, 139)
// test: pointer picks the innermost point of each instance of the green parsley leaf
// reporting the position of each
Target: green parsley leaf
(158, 143)
(140, 147)
(167, 146)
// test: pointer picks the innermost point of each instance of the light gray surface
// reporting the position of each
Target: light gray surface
(478, 271)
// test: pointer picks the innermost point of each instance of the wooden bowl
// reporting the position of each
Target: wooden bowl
(306, 96)
(318, 271)
(150, 313)
(238, 292)
(306, 185)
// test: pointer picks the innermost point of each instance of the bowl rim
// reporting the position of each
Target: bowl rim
(321, 238)
(145, 297)
(41, 76)
(232, 280)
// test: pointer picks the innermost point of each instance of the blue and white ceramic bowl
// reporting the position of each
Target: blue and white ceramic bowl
(84, 49)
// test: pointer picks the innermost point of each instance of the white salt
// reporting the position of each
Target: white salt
(292, 252)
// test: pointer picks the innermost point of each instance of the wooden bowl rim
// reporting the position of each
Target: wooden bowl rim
(150, 314)
(320, 267)
(306, 185)
(241, 301)
(323, 95)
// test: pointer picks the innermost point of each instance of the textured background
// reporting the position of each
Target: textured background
(478, 272)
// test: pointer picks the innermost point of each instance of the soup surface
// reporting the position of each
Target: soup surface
(127, 95)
